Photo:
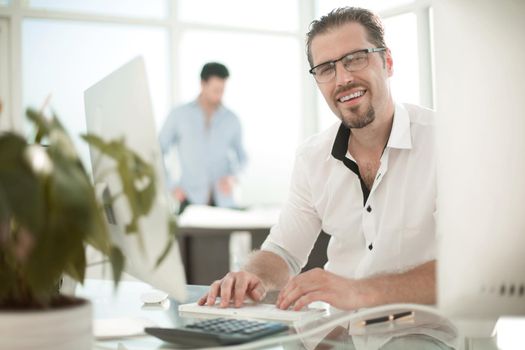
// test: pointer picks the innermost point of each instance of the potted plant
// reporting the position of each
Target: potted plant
(48, 214)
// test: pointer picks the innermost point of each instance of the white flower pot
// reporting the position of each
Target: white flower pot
(65, 328)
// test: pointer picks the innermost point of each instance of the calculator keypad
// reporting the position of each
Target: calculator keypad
(218, 331)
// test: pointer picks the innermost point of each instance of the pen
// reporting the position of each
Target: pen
(387, 318)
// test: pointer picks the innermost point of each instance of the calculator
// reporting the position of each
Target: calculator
(217, 331)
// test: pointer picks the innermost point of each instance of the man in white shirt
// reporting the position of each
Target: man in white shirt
(368, 182)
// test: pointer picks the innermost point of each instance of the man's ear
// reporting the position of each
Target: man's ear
(389, 63)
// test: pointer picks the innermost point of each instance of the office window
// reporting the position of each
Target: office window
(128, 8)
(264, 90)
(268, 14)
(63, 58)
(325, 6)
(401, 37)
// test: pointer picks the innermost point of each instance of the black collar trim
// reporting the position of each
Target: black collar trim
(339, 150)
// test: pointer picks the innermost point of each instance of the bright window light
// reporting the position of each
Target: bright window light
(128, 8)
(264, 90)
(63, 59)
(268, 14)
(401, 38)
(325, 6)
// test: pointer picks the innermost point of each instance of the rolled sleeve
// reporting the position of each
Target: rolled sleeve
(299, 224)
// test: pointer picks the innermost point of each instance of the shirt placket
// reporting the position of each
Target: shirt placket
(206, 137)
(369, 212)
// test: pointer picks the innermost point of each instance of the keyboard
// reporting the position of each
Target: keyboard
(258, 311)
(217, 331)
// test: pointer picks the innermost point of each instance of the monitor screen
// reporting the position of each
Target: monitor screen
(119, 106)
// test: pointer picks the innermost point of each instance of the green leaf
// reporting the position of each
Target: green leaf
(40, 122)
(172, 229)
(116, 258)
(20, 189)
(53, 214)
(137, 177)
(76, 268)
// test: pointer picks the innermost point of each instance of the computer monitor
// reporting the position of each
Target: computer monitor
(119, 106)
(480, 103)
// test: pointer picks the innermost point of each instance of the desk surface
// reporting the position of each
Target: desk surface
(202, 216)
(124, 303)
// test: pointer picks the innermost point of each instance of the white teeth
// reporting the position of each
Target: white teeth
(351, 96)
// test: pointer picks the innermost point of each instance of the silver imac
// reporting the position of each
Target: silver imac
(119, 106)
(481, 170)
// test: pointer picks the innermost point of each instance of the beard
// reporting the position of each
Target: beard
(352, 118)
(362, 120)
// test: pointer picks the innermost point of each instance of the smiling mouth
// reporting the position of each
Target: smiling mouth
(351, 96)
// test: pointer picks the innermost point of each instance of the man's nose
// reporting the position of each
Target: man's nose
(342, 76)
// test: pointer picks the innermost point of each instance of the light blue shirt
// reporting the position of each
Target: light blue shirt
(206, 154)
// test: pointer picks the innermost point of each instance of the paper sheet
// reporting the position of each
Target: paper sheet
(113, 328)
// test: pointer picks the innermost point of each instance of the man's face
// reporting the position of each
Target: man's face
(213, 89)
(357, 98)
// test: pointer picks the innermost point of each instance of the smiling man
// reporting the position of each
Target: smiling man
(368, 181)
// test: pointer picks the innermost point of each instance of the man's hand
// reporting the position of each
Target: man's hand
(417, 285)
(235, 286)
(320, 285)
(226, 184)
(179, 194)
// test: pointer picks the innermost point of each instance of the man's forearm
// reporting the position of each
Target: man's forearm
(417, 285)
(270, 268)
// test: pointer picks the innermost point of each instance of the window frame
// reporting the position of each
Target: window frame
(17, 11)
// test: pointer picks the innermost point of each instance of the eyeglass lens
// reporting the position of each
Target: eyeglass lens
(352, 62)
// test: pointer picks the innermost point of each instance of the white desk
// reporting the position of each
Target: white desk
(125, 303)
(204, 235)
(205, 239)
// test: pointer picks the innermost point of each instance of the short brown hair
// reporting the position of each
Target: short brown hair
(214, 69)
(340, 16)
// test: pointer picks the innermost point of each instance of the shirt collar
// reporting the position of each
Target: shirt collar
(400, 136)
(340, 146)
(195, 104)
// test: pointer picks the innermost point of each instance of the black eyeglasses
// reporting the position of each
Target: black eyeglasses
(354, 61)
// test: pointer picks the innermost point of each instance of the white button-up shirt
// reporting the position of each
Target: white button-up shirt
(385, 230)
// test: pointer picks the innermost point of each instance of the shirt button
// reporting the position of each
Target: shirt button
(370, 246)
(369, 209)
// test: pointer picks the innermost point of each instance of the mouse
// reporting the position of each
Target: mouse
(153, 296)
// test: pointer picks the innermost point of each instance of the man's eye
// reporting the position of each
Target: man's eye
(325, 69)
(355, 59)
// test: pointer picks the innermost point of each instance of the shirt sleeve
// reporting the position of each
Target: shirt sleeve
(294, 265)
(239, 151)
(299, 224)
(168, 133)
(168, 137)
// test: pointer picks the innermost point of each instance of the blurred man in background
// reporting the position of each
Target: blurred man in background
(209, 145)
